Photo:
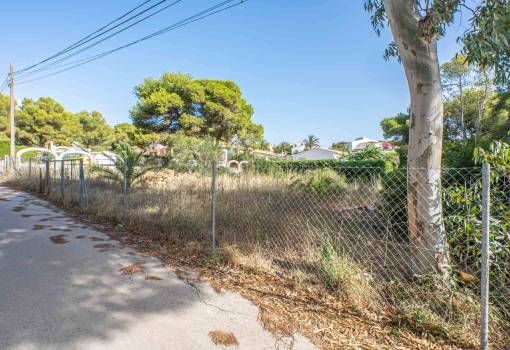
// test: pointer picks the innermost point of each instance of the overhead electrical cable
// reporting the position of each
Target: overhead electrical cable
(105, 29)
(197, 17)
(107, 37)
(4, 83)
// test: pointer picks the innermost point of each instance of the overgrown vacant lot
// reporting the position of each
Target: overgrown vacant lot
(321, 253)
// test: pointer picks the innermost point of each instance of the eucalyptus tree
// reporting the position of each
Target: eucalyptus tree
(416, 26)
(456, 77)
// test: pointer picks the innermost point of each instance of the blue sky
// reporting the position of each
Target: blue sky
(307, 66)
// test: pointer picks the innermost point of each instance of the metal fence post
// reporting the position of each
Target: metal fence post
(40, 180)
(213, 207)
(125, 188)
(484, 279)
(30, 167)
(47, 175)
(82, 181)
(62, 179)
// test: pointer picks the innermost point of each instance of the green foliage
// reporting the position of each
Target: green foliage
(128, 166)
(4, 148)
(126, 133)
(396, 128)
(496, 119)
(187, 152)
(329, 259)
(45, 120)
(198, 107)
(498, 155)
(368, 153)
(394, 203)
(4, 120)
(341, 146)
(485, 40)
(321, 181)
(42, 120)
(458, 154)
(95, 133)
(351, 169)
(311, 141)
(402, 155)
(283, 147)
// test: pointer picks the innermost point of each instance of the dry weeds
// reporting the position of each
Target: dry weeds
(152, 278)
(219, 337)
(131, 269)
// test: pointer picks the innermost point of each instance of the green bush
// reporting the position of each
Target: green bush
(366, 169)
(321, 181)
(394, 201)
(458, 154)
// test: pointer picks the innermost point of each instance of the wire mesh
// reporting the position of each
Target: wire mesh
(404, 243)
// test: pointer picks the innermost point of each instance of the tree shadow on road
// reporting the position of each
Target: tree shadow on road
(58, 296)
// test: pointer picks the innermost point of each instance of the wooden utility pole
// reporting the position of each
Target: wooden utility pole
(12, 125)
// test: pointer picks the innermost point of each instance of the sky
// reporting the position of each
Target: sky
(306, 66)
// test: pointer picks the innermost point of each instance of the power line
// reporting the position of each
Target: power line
(101, 31)
(197, 17)
(4, 83)
(108, 37)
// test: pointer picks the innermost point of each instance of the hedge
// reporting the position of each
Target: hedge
(350, 169)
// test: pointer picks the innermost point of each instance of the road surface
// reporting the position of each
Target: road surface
(61, 287)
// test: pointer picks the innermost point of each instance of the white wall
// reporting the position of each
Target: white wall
(315, 154)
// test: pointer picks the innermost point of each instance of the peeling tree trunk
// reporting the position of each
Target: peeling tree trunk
(419, 57)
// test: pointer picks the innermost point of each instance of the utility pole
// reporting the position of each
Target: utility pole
(12, 125)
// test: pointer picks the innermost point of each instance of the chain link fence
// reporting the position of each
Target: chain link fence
(351, 230)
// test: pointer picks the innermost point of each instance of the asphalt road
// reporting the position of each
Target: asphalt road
(61, 288)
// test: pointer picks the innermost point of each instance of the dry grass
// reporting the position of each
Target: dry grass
(219, 337)
(230, 254)
(152, 278)
(131, 269)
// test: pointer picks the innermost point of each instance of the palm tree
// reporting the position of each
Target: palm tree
(128, 167)
(311, 141)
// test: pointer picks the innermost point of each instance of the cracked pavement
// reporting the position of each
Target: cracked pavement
(68, 293)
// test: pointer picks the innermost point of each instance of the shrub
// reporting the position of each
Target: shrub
(366, 169)
(321, 181)
(394, 202)
(345, 277)
(458, 155)
(368, 153)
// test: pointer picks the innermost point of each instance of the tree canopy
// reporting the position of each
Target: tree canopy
(44, 119)
(484, 42)
(283, 147)
(311, 141)
(4, 123)
(342, 146)
(198, 107)
(396, 128)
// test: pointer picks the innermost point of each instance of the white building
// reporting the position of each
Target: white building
(298, 147)
(317, 154)
(361, 143)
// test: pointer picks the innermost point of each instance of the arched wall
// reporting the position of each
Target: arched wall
(87, 154)
(35, 149)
